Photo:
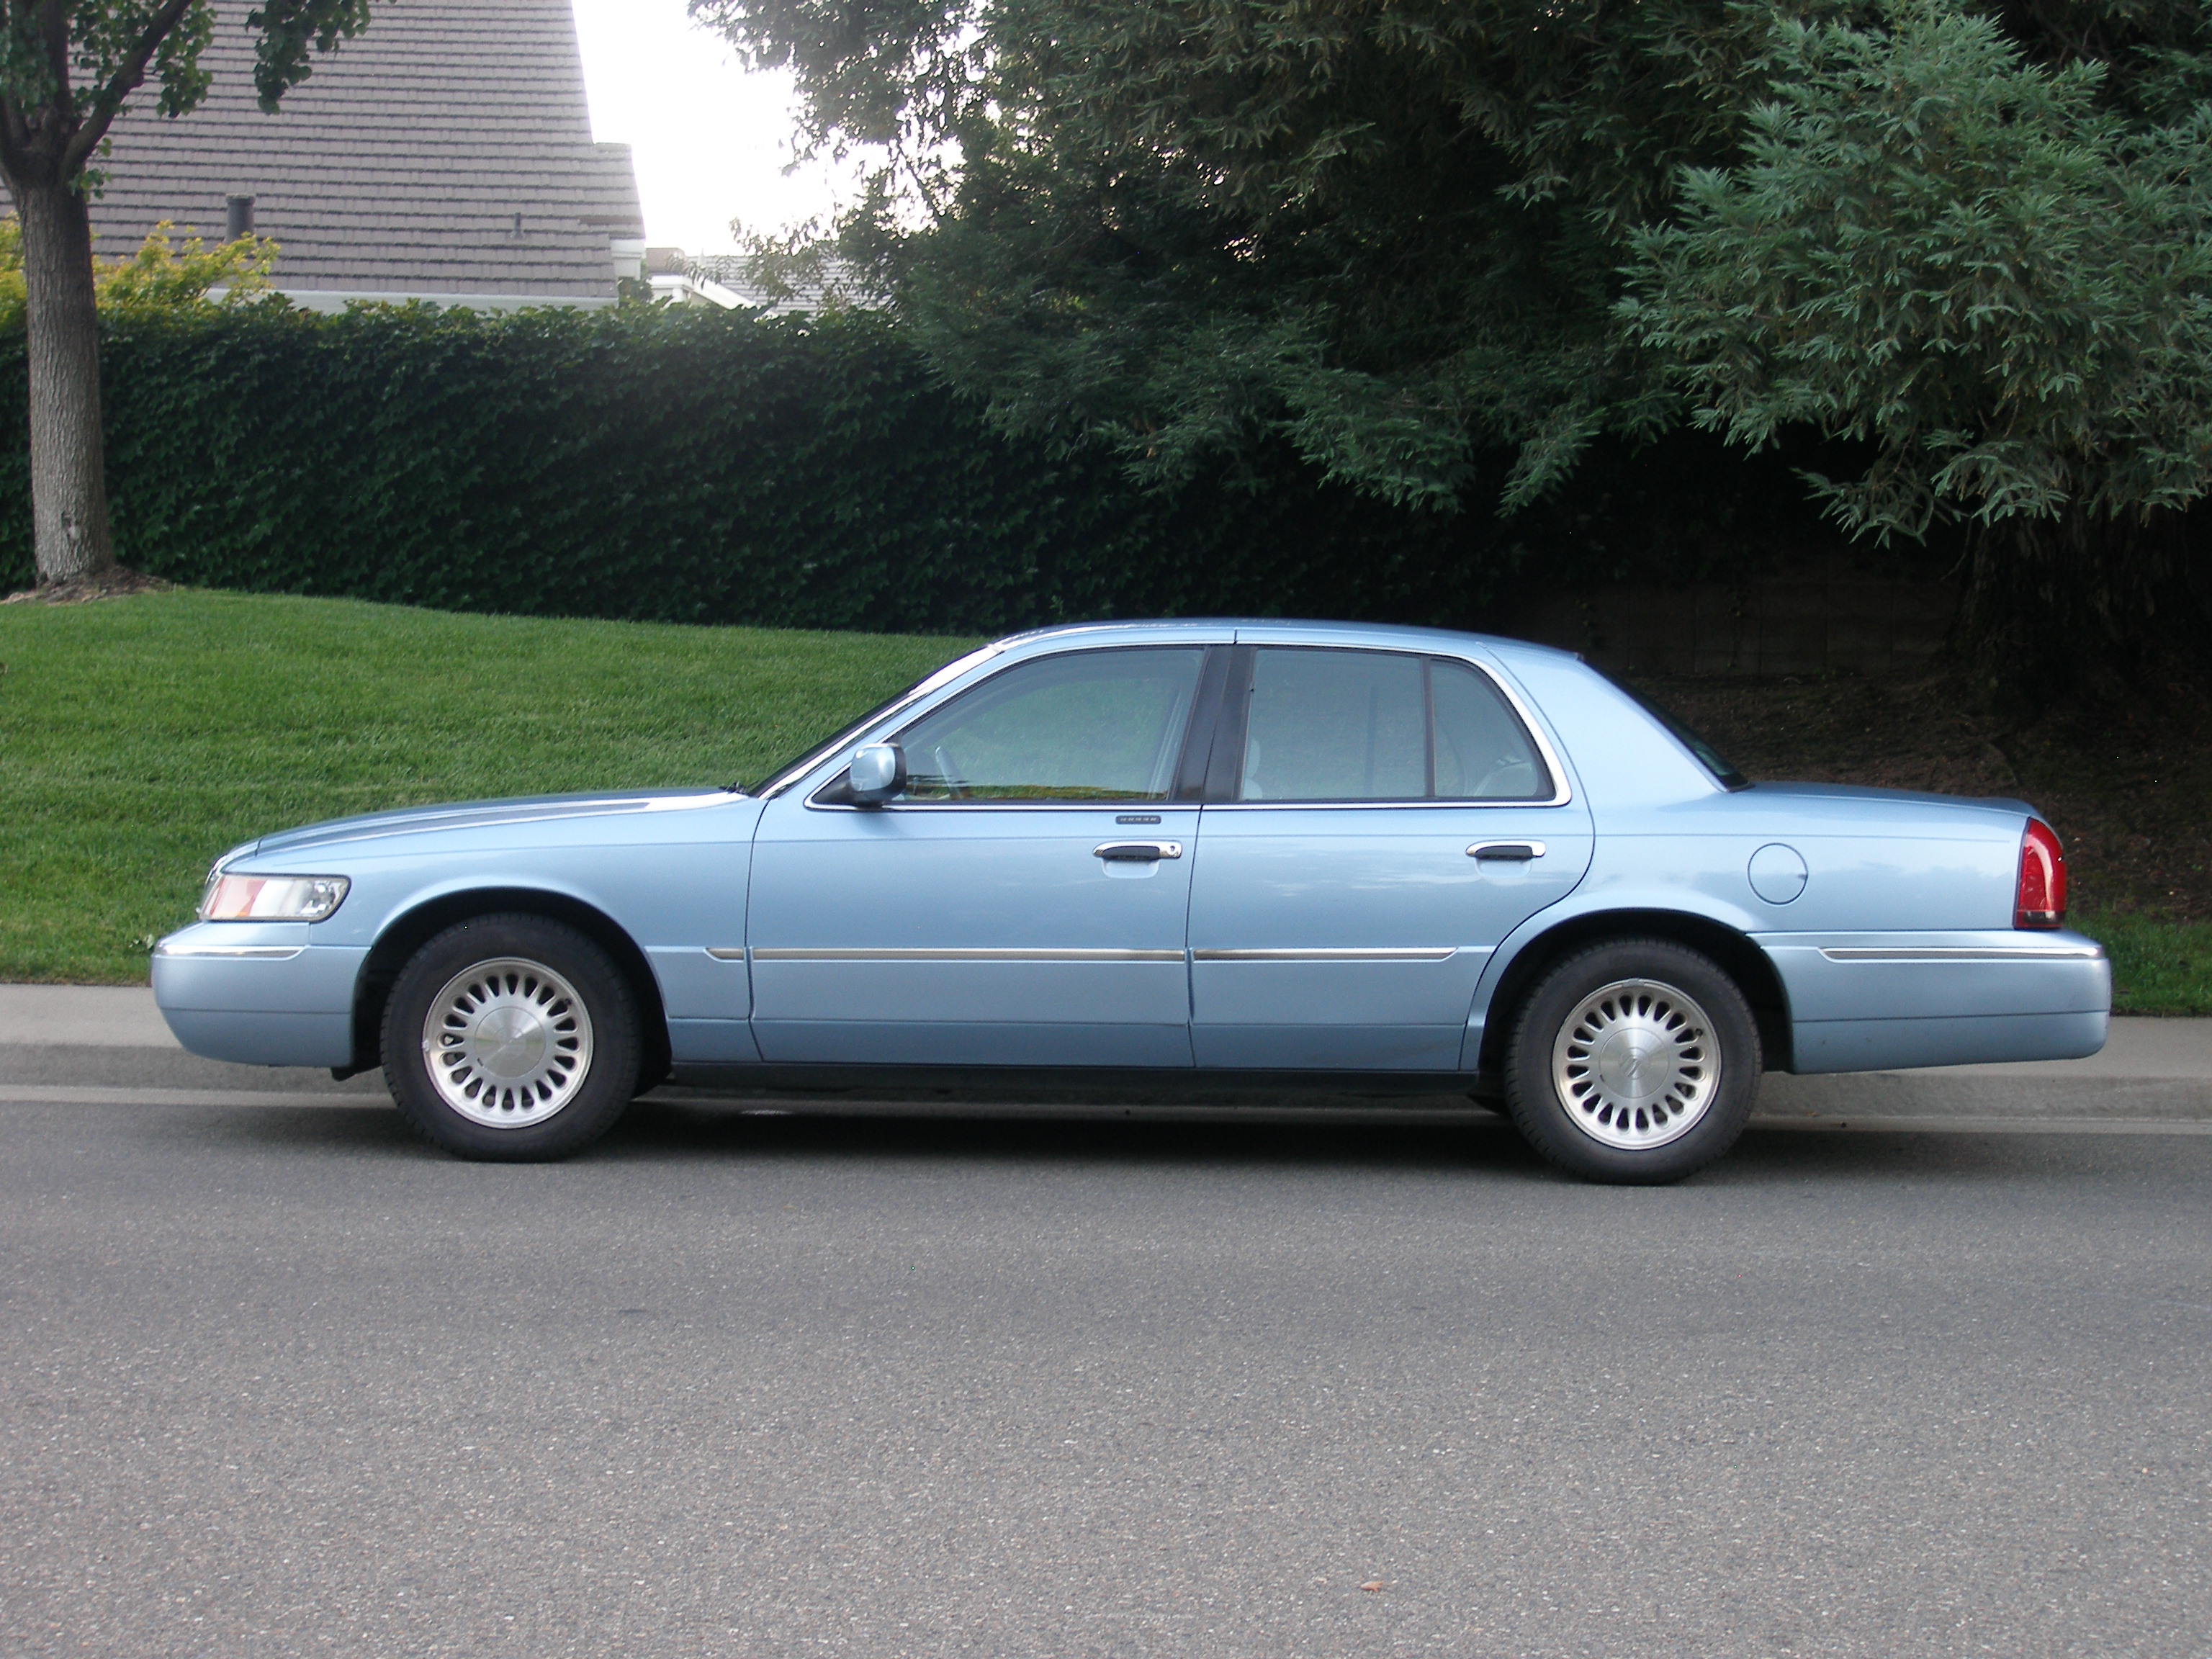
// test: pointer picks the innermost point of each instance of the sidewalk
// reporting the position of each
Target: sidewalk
(83, 1016)
(2151, 1070)
(74, 1038)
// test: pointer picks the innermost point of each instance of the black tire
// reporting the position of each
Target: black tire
(575, 1042)
(1686, 997)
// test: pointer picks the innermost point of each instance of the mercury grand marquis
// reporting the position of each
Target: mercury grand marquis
(1183, 850)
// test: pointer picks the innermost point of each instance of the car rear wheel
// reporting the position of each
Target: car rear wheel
(1637, 1061)
(513, 1038)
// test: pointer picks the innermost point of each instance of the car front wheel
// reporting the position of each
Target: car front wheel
(511, 1038)
(1633, 1061)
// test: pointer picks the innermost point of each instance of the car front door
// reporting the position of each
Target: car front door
(1021, 901)
(1376, 823)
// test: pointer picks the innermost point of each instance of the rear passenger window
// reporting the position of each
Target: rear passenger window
(1328, 725)
(1483, 751)
(1335, 725)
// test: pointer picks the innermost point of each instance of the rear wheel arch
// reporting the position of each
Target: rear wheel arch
(1735, 953)
(409, 933)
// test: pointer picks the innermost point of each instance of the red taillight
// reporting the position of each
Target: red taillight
(2042, 898)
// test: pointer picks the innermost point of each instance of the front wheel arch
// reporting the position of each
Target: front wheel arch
(1743, 961)
(410, 931)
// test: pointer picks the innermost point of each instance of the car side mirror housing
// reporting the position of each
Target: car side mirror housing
(876, 773)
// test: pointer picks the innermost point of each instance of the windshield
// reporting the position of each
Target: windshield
(1708, 756)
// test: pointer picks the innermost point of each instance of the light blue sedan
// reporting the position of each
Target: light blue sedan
(1158, 852)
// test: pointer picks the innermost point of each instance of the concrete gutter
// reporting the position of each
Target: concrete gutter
(59, 1042)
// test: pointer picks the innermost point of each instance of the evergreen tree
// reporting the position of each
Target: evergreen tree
(1395, 233)
(1992, 275)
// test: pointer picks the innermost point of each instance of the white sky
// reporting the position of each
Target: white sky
(711, 140)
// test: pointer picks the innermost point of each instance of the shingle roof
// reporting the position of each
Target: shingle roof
(401, 164)
(834, 281)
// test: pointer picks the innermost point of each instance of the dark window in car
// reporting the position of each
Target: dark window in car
(1102, 726)
(1483, 751)
(1331, 724)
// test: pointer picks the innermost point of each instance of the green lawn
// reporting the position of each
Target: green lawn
(2158, 967)
(140, 737)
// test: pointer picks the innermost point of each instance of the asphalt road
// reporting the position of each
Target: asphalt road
(279, 1381)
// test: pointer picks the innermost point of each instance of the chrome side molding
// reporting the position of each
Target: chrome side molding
(254, 952)
(1967, 953)
(933, 953)
(1349, 953)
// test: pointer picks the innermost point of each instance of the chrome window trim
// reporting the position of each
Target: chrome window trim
(1378, 805)
(814, 805)
(254, 952)
(1346, 953)
(1965, 953)
(953, 953)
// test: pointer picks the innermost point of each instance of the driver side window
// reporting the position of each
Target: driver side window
(1090, 726)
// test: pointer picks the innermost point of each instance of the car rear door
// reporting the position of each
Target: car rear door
(1376, 822)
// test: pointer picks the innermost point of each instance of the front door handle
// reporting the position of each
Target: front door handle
(1137, 851)
(1519, 852)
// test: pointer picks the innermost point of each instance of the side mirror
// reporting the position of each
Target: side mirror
(878, 773)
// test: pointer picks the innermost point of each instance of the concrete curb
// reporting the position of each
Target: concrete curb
(1466, 1117)
(57, 1042)
(83, 1016)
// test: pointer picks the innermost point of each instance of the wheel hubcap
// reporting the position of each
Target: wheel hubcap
(1636, 1065)
(507, 1043)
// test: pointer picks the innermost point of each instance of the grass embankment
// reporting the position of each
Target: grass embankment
(2158, 967)
(139, 738)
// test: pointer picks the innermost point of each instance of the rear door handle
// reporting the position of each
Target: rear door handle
(1137, 851)
(1519, 852)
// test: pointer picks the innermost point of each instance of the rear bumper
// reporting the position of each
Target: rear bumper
(1866, 1002)
(1887, 1045)
(259, 993)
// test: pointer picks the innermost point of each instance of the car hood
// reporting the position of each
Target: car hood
(473, 815)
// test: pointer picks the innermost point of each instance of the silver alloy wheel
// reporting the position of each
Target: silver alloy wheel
(1636, 1065)
(506, 1044)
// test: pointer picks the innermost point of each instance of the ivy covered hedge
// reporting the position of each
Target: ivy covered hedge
(691, 466)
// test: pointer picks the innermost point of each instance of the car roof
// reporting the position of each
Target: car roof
(1272, 630)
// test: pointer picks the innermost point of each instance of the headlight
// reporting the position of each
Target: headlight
(271, 898)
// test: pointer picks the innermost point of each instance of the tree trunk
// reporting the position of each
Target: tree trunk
(69, 484)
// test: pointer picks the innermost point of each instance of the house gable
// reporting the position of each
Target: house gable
(445, 153)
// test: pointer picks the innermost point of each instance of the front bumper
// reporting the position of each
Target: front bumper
(260, 993)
